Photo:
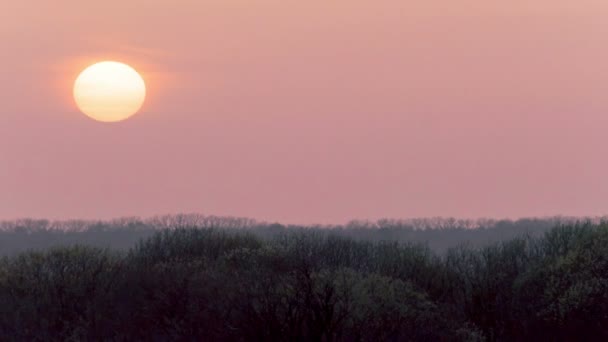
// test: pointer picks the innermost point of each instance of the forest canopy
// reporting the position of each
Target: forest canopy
(235, 280)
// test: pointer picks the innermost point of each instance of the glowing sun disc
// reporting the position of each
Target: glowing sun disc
(109, 91)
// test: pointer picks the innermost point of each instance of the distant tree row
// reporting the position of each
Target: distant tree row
(439, 234)
(193, 284)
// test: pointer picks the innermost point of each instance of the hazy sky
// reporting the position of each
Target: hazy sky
(309, 111)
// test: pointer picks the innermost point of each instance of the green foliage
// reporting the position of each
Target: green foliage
(192, 284)
(575, 295)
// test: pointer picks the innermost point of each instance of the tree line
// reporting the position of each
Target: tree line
(208, 283)
(440, 234)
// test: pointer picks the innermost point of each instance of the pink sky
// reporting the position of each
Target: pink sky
(309, 111)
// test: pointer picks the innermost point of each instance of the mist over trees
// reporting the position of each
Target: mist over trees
(238, 280)
(439, 234)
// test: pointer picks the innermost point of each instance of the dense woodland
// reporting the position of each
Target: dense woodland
(193, 278)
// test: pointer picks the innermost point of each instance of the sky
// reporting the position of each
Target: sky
(309, 111)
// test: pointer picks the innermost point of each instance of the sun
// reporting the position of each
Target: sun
(109, 91)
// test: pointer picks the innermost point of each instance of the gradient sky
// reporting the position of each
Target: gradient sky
(309, 111)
